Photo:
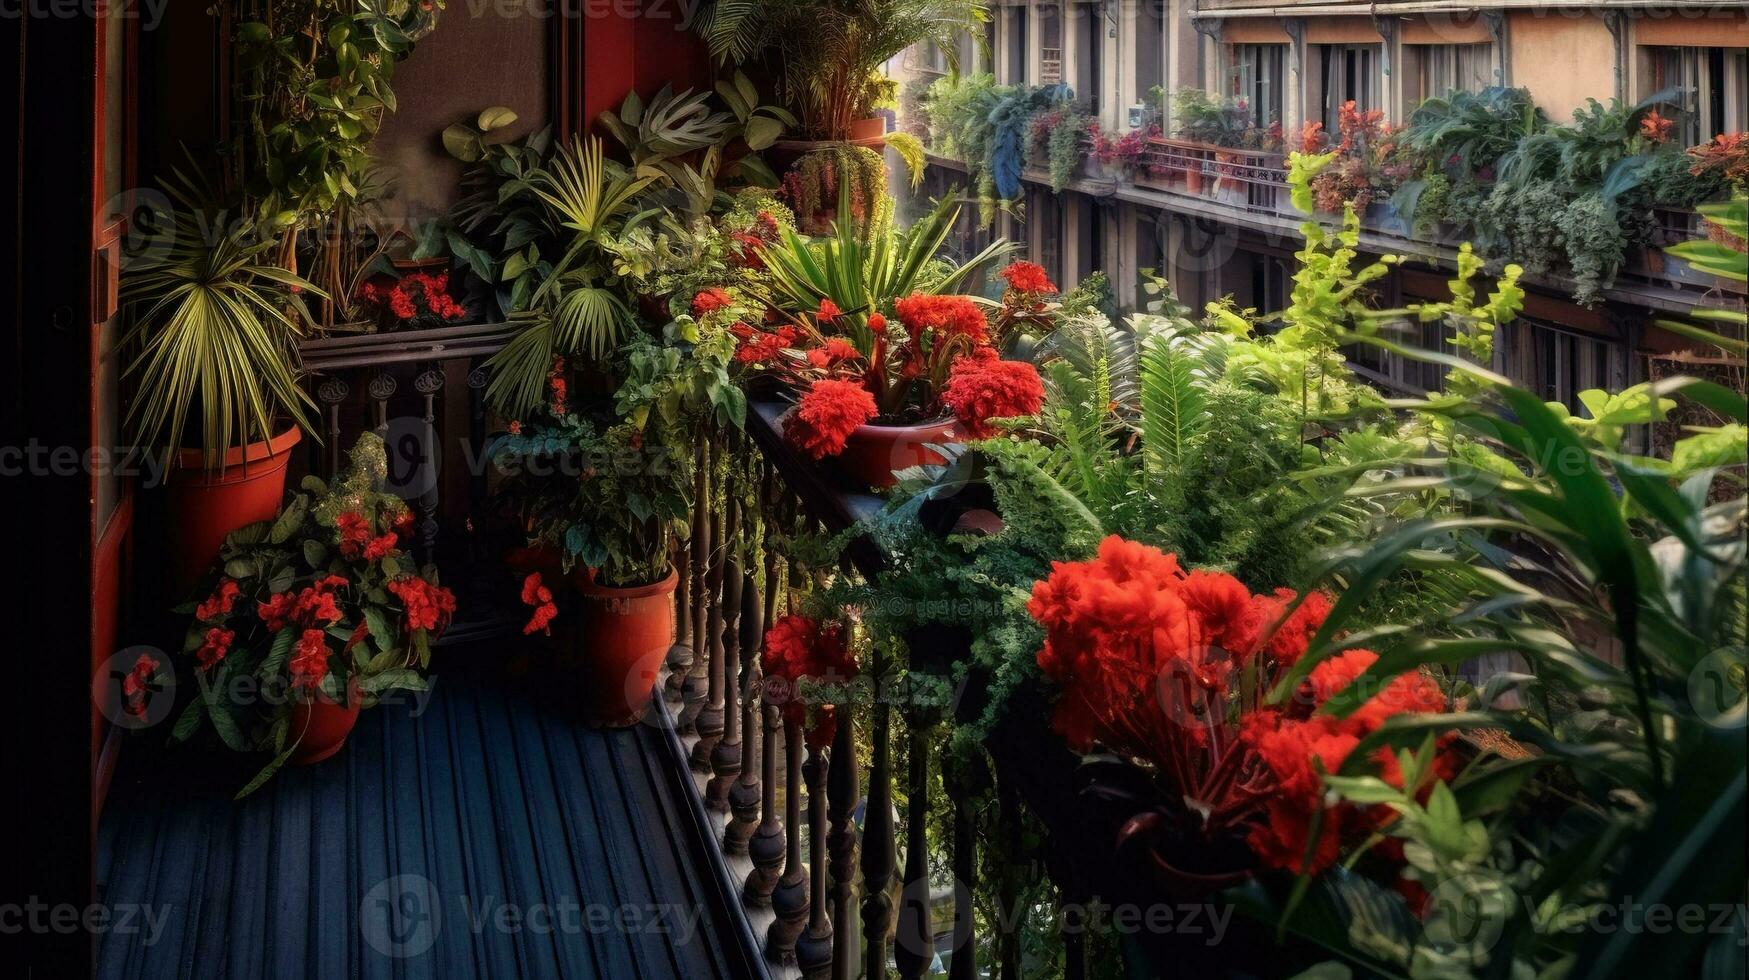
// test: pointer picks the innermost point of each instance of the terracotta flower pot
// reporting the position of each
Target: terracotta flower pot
(869, 131)
(202, 505)
(623, 638)
(874, 452)
(325, 725)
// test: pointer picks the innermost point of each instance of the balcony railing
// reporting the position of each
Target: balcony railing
(1050, 66)
(1255, 180)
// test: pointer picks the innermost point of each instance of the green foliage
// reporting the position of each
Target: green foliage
(214, 324)
(370, 646)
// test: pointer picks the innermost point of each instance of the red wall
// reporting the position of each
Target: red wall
(645, 51)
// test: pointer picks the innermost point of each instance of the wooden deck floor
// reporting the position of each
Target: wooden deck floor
(485, 837)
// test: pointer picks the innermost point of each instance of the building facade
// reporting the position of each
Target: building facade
(1292, 62)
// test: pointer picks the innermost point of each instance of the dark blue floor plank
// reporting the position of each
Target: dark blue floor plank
(484, 800)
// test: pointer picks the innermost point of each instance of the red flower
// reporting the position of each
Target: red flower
(354, 531)
(379, 547)
(314, 606)
(828, 310)
(309, 663)
(954, 316)
(404, 522)
(708, 301)
(135, 685)
(515, 427)
(218, 605)
(877, 322)
(825, 417)
(1028, 277)
(1656, 128)
(429, 607)
(541, 598)
(983, 388)
(214, 647)
(798, 647)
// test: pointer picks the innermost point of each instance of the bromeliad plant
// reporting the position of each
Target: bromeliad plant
(321, 602)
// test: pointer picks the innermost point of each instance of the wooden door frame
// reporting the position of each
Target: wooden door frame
(47, 390)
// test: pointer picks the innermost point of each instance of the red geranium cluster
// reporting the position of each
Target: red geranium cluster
(708, 301)
(313, 606)
(541, 598)
(981, 388)
(1149, 658)
(356, 538)
(946, 316)
(798, 647)
(1028, 278)
(135, 684)
(826, 415)
(415, 300)
(428, 606)
(309, 662)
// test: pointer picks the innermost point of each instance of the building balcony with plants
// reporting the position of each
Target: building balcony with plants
(615, 505)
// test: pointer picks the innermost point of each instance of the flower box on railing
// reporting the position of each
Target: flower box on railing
(1246, 178)
(1676, 225)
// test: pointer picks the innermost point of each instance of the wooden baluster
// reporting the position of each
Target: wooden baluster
(841, 790)
(744, 795)
(790, 900)
(428, 384)
(680, 654)
(814, 947)
(331, 392)
(914, 945)
(964, 965)
(766, 848)
(693, 688)
(710, 715)
(726, 754)
(877, 838)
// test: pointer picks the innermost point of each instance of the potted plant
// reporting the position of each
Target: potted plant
(611, 506)
(213, 379)
(320, 612)
(879, 395)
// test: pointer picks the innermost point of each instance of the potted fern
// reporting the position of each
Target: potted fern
(213, 380)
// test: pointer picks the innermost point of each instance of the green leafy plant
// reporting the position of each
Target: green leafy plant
(214, 321)
(322, 601)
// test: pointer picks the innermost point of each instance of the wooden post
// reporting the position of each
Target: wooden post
(726, 754)
(744, 795)
(710, 715)
(790, 900)
(766, 848)
(877, 838)
(841, 790)
(814, 948)
(914, 944)
(692, 689)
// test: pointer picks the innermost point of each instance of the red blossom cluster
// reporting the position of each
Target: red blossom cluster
(708, 301)
(357, 540)
(948, 316)
(1655, 128)
(1149, 655)
(309, 662)
(982, 388)
(134, 685)
(1028, 278)
(313, 606)
(801, 646)
(825, 416)
(558, 388)
(429, 607)
(218, 605)
(414, 297)
(541, 598)
(745, 246)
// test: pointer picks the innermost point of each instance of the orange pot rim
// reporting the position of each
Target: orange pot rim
(667, 583)
(277, 449)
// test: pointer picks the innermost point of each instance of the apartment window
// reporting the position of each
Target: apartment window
(932, 58)
(1711, 85)
(1433, 70)
(1016, 45)
(1150, 53)
(1087, 21)
(1558, 364)
(1255, 75)
(1044, 216)
(1050, 40)
(1350, 73)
